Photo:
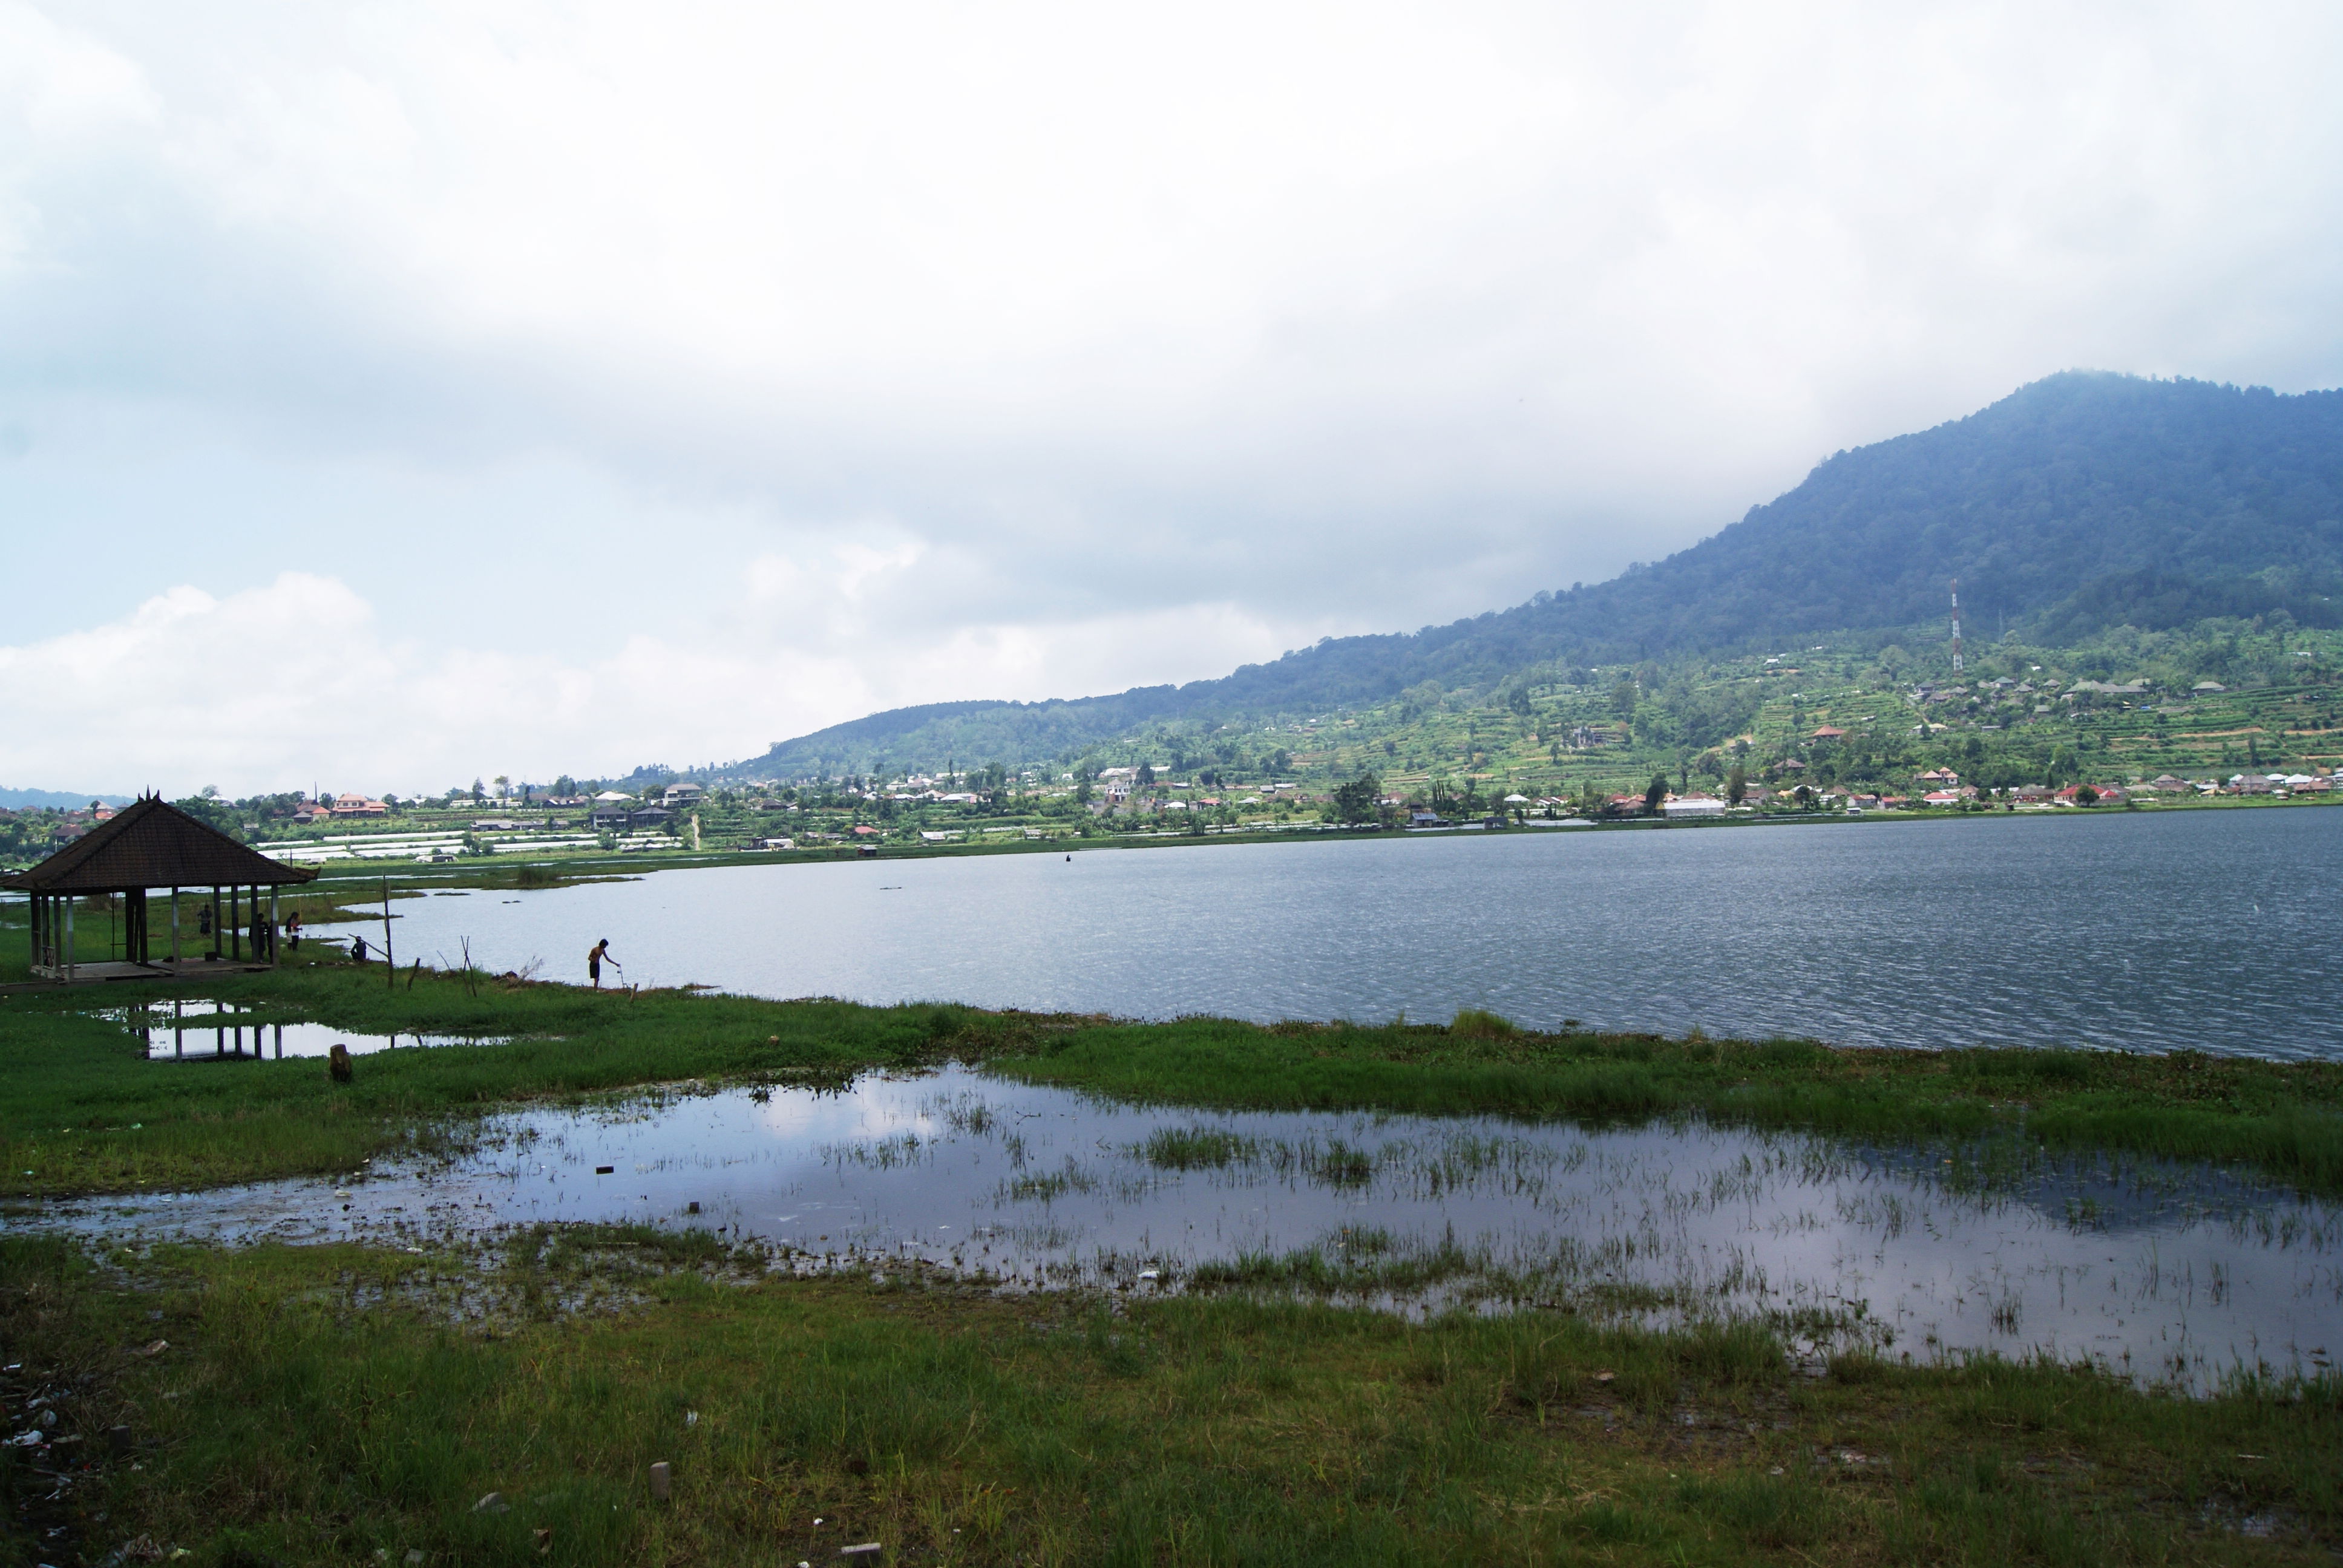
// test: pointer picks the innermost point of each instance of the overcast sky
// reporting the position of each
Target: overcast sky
(392, 395)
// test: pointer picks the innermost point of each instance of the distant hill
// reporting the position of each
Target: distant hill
(62, 799)
(2080, 502)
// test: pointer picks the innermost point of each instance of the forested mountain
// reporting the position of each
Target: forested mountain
(2079, 503)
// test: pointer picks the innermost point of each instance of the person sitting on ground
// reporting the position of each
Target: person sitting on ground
(594, 957)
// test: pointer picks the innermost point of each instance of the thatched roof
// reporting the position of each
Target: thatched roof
(154, 844)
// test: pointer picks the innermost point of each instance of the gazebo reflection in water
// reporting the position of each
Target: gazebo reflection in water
(152, 845)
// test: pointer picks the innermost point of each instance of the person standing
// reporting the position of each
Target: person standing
(293, 931)
(594, 957)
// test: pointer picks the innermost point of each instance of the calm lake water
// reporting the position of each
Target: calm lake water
(2137, 930)
(2167, 1274)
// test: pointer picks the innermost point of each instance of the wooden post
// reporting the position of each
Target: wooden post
(235, 923)
(69, 938)
(175, 930)
(272, 940)
(217, 937)
(389, 962)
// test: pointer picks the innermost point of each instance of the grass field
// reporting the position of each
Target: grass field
(81, 1111)
(328, 1405)
(353, 1404)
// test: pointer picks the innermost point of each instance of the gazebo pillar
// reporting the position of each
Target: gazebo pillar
(272, 934)
(175, 930)
(69, 941)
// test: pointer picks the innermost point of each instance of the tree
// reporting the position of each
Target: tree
(1146, 773)
(1656, 791)
(1736, 785)
(479, 791)
(2086, 796)
(1357, 801)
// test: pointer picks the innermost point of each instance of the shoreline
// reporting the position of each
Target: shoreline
(622, 863)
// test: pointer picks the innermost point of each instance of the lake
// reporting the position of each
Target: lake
(2134, 931)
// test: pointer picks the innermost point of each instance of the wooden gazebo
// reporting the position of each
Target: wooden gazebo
(148, 846)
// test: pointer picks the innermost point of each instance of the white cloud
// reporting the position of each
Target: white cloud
(295, 683)
(889, 351)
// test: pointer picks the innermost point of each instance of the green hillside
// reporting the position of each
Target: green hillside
(2081, 507)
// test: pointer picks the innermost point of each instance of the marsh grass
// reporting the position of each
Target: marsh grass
(2282, 1120)
(1198, 1149)
(82, 1109)
(318, 1405)
(72, 1085)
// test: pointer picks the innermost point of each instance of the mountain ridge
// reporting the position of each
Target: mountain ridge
(2083, 501)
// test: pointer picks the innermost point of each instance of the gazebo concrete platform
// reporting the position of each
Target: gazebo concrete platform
(159, 969)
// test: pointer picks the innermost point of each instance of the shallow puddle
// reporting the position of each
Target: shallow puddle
(207, 1030)
(2168, 1274)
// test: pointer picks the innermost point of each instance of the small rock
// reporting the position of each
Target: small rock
(662, 1481)
(156, 1349)
(494, 1503)
(866, 1549)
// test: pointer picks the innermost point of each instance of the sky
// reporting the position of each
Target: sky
(393, 396)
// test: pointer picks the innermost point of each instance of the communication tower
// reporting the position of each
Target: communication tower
(1956, 626)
